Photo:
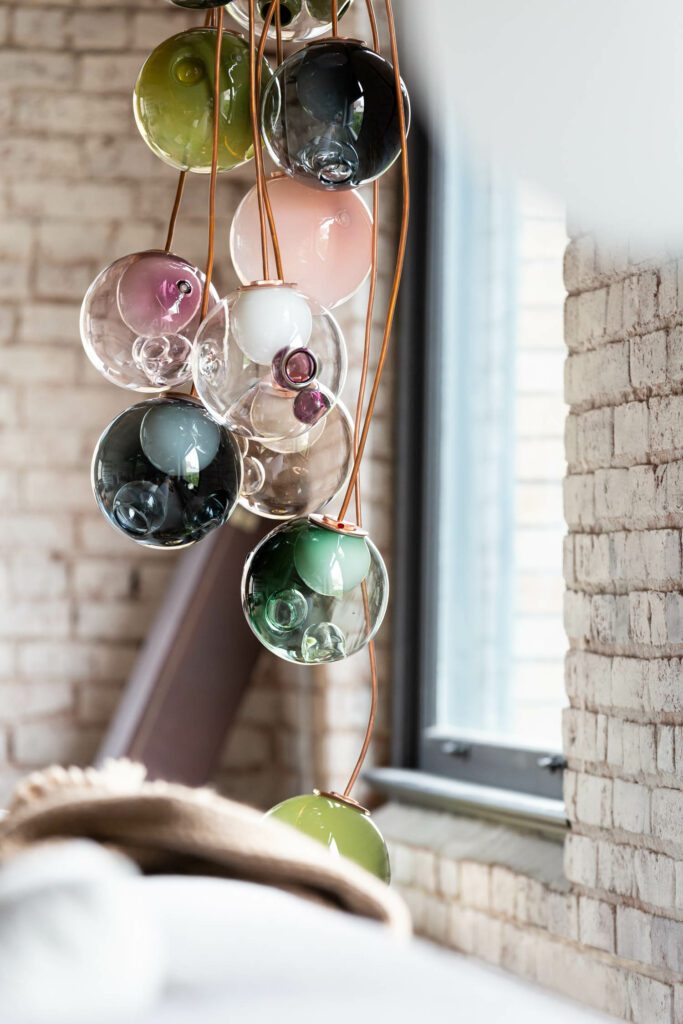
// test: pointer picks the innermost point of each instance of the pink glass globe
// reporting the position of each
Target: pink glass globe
(139, 317)
(325, 239)
(159, 294)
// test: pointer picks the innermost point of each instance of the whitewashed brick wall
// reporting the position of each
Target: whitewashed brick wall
(610, 931)
(78, 188)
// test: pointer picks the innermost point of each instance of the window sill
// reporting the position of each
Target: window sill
(531, 813)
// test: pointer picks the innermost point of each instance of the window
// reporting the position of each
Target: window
(478, 593)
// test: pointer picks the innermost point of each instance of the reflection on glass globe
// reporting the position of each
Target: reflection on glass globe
(325, 239)
(329, 115)
(346, 830)
(305, 476)
(250, 383)
(165, 474)
(299, 19)
(173, 100)
(337, 574)
(138, 319)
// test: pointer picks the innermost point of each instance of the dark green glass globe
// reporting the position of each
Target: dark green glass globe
(173, 100)
(345, 830)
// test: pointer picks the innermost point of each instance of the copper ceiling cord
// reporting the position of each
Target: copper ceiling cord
(278, 33)
(274, 6)
(400, 257)
(214, 164)
(175, 211)
(374, 684)
(335, 19)
(258, 152)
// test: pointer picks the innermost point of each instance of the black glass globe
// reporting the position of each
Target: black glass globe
(165, 474)
(199, 5)
(329, 115)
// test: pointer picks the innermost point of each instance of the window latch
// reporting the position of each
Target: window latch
(456, 748)
(552, 763)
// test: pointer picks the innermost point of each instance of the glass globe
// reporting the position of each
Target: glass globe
(165, 474)
(265, 365)
(173, 101)
(304, 587)
(291, 478)
(139, 317)
(299, 19)
(329, 115)
(325, 239)
(200, 5)
(346, 829)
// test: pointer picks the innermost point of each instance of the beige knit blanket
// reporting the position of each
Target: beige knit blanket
(170, 829)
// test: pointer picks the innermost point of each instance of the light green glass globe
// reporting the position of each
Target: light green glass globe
(330, 563)
(173, 101)
(345, 830)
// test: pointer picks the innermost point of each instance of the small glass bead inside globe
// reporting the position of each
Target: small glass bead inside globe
(292, 478)
(333, 574)
(329, 115)
(344, 829)
(299, 19)
(325, 239)
(173, 101)
(249, 362)
(139, 317)
(165, 474)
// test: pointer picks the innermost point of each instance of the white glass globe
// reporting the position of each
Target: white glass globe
(269, 318)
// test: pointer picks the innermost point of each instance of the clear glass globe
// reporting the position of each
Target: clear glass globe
(325, 239)
(343, 828)
(291, 478)
(139, 317)
(173, 100)
(165, 474)
(265, 365)
(304, 591)
(299, 19)
(329, 115)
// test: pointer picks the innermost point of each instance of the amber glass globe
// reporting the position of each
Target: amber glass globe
(305, 587)
(330, 117)
(346, 830)
(173, 100)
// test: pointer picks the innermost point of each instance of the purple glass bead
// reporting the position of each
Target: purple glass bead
(310, 405)
(294, 368)
(158, 294)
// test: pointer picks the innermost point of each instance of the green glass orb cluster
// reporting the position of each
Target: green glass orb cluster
(173, 100)
(313, 595)
(346, 830)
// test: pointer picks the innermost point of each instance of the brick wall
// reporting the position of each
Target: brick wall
(609, 929)
(78, 188)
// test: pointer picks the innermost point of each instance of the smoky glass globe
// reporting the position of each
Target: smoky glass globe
(165, 474)
(173, 100)
(266, 365)
(329, 115)
(304, 592)
(139, 317)
(285, 479)
(199, 5)
(325, 239)
(299, 19)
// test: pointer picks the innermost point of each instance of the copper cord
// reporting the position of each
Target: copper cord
(278, 32)
(275, 5)
(256, 133)
(214, 164)
(374, 684)
(335, 19)
(175, 211)
(400, 257)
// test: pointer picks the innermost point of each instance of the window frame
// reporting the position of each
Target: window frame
(417, 746)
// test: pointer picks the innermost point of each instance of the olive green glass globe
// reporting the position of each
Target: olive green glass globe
(345, 830)
(173, 101)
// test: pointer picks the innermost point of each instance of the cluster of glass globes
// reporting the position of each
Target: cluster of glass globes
(264, 426)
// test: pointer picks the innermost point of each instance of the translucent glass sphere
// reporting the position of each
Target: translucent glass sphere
(165, 474)
(267, 367)
(173, 100)
(292, 478)
(345, 830)
(299, 19)
(303, 592)
(329, 115)
(139, 317)
(325, 239)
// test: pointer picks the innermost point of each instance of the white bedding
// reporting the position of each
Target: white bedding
(85, 938)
